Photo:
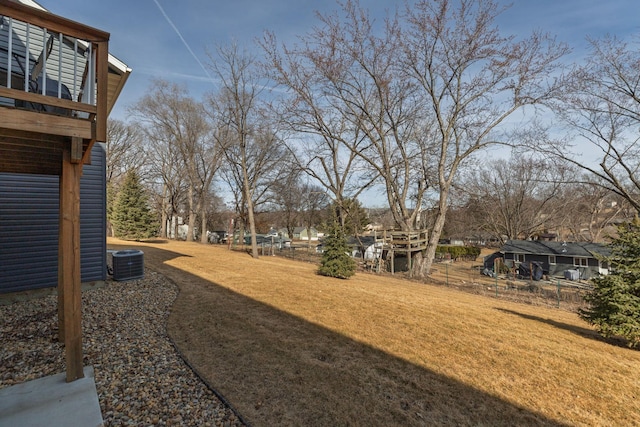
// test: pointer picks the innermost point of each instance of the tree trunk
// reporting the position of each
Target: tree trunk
(192, 217)
(175, 227)
(252, 228)
(204, 238)
(434, 235)
(163, 231)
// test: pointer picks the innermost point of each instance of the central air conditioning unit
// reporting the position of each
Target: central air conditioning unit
(127, 264)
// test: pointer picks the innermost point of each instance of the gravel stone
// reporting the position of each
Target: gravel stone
(141, 379)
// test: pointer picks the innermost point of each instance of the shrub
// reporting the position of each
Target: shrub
(336, 261)
(459, 252)
(614, 303)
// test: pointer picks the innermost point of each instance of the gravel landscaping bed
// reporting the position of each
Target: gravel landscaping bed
(140, 377)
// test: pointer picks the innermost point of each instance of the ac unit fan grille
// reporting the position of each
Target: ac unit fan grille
(128, 265)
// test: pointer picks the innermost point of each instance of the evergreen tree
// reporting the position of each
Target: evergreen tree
(112, 193)
(336, 261)
(131, 216)
(350, 212)
(614, 303)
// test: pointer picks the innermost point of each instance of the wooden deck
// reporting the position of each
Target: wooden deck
(44, 132)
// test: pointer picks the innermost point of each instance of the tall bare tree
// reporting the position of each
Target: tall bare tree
(428, 93)
(323, 142)
(171, 115)
(167, 169)
(242, 129)
(124, 149)
(517, 198)
(473, 79)
(602, 109)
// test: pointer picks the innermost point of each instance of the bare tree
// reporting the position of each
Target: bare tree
(602, 109)
(124, 149)
(517, 198)
(323, 142)
(473, 79)
(592, 211)
(287, 197)
(244, 133)
(172, 115)
(427, 94)
(166, 166)
(314, 201)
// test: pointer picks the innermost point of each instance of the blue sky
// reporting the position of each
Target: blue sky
(142, 37)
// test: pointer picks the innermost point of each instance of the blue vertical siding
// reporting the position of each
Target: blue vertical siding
(29, 211)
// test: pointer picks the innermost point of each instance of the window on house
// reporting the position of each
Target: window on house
(552, 259)
(519, 257)
(580, 262)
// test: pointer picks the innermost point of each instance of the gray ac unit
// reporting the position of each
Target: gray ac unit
(128, 264)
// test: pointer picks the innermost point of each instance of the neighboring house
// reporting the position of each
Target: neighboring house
(301, 233)
(265, 240)
(555, 258)
(361, 247)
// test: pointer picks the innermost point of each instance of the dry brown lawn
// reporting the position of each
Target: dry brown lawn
(288, 347)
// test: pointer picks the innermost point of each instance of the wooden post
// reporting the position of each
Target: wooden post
(69, 288)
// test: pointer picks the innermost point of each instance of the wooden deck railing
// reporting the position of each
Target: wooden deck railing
(53, 74)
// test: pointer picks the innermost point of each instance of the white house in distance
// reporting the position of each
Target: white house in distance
(301, 233)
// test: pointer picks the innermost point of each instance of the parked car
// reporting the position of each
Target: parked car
(217, 236)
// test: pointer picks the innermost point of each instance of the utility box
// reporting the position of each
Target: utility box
(572, 275)
(127, 264)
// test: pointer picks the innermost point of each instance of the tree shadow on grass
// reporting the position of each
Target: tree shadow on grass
(578, 330)
(278, 369)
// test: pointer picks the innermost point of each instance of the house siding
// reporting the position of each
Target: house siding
(564, 253)
(29, 212)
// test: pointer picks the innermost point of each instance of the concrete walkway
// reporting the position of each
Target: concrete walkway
(52, 402)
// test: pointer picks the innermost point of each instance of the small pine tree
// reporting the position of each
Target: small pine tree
(336, 261)
(131, 216)
(614, 303)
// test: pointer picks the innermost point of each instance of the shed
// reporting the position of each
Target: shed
(365, 247)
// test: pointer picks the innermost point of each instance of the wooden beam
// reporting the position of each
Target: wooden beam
(76, 150)
(102, 95)
(32, 121)
(38, 98)
(69, 285)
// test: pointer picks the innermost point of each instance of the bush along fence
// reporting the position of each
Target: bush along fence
(456, 253)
